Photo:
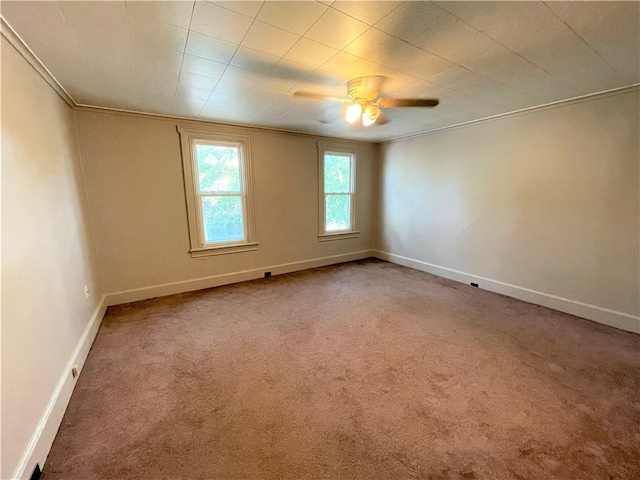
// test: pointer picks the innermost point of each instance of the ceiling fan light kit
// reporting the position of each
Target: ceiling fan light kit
(370, 115)
(363, 104)
(353, 113)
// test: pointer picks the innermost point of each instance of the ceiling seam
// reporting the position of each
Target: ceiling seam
(230, 60)
(133, 54)
(582, 39)
(75, 40)
(512, 51)
(186, 42)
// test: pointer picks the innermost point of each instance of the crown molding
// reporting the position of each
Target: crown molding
(20, 45)
(23, 49)
(213, 123)
(546, 106)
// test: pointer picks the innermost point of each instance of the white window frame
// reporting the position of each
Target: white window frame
(189, 137)
(338, 149)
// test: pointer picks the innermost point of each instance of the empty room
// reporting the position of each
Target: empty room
(320, 240)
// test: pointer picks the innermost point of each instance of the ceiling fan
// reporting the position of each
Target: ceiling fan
(364, 103)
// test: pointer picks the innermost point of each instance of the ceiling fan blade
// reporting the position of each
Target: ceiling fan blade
(407, 102)
(319, 96)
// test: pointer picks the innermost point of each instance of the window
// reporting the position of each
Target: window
(217, 175)
(337, 193)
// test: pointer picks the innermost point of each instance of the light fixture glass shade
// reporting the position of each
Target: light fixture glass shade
(370, 115)
(353, 113)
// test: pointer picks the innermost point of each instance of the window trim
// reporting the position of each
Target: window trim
(339, 149)
(188, 138)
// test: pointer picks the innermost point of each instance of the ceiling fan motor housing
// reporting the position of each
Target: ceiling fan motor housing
(366, 88)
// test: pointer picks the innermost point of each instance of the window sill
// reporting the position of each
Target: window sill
(223, 249)
(325, 237)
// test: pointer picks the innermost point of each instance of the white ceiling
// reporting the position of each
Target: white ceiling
(240, 61)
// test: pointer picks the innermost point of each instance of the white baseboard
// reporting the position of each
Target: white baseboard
(145, 293)
(42, 439)
(613, 318)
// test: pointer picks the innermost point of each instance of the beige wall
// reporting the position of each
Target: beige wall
(546, 200)
(46, 253)
(133, 168)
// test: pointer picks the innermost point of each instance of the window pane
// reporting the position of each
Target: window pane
(338, 212)
(218, 169)
(337, 173)
(222, 218)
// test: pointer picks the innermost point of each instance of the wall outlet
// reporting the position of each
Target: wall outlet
(86, 291)
(74, 371)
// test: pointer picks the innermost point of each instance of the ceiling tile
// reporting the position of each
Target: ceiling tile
(215, 110)
(248, 8)
(277, 109)
(255, 61)
(454, 77)
(612, 29)
(568, 58)
(276, 84)
(62, 56)
(296, 71)
(242, 114)
(228, 94)
(369, 45)
(295, 17)
(464, 45)
(525, 77)
(493, 60)
(192, 92)
(394, 80)
(344, 66)
(197, 81)
(336, 29)
(173, 13)
(421, 89)
(202, 66)
(257, 98)
(309, 53)
(97, 24)
(114, 90)
(188, 107)
(159, 66)
(218, 22)
(367, 12)
(269, 39)
(412, 60)
(156, 102)
(478, 58)
(150, 35)
(517, 19)
(241, 77)
(418, 23)
(210, 48)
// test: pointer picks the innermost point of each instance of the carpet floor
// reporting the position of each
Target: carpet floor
(361, 370)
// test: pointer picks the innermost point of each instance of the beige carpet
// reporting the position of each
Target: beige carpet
(363, 370)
